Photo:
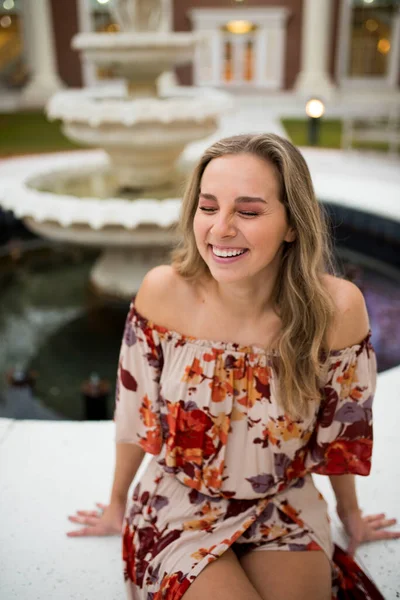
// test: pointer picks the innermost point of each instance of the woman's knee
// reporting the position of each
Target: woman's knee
(224, 579)
(286, 575)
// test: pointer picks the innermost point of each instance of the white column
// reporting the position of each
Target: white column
(44, 80)
(168, 80)
(314, 79)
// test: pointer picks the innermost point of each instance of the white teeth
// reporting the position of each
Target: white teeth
(227, 253)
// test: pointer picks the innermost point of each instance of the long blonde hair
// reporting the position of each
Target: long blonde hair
(301, 299)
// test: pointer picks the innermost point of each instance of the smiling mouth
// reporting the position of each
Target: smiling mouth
(228, 252)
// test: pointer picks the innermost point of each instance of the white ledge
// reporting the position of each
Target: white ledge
(51, 468)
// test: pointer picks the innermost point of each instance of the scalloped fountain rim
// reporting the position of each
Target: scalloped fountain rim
(100, 106)
(19, 196)
(126, 40)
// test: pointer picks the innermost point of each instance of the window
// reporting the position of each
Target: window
(371, 40)
(13, 68)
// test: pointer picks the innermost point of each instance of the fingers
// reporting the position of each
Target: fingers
(81, 532)
(102, 506)
(384, 535)
(84, 520)
(88, 513)
(383, 523)
(372, 518)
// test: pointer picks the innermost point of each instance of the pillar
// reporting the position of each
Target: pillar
(44, 80)
(314, 78)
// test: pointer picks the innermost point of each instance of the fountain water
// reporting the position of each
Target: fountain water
(125, 201)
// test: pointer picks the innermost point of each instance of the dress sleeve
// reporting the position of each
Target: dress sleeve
(137, 414)
(342, 439)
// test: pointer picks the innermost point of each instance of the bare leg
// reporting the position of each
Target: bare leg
(223, 579)
(286, 575)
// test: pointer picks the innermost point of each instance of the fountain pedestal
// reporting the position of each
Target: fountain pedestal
(120, 271)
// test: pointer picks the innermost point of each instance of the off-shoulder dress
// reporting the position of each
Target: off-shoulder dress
(230, 468)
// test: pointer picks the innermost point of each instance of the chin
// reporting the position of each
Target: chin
(227, 276)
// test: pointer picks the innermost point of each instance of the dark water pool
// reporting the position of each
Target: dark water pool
(50, 323)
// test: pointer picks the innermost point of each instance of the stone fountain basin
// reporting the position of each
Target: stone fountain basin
(134, 234)
(143, 137)
(45, 197)
(102, 106)
(137, 55)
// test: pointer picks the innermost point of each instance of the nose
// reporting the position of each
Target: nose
(223, 226)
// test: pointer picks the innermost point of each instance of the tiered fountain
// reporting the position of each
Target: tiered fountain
(125, 200)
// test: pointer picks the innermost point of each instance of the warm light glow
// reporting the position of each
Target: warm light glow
(239, 27)
(383, 46)
(315, 108)
(371, 25)
(8, 4)
(103, 1)
(113, 27)
(5, 22)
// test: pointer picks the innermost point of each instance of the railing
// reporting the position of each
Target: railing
(379, 128)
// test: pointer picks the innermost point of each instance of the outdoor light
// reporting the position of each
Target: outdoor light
(368, 1)
(371, 25)
(239, 27)
(315, 108)
(5, 22)
(103, 1)
(383, 46)
(95, 392)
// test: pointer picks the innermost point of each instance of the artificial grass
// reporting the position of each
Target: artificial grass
(330, 134)
(31, 132)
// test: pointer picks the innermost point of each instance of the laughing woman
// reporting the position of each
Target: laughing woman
(245, 367)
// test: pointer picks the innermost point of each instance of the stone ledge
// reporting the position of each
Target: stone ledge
(51, 468)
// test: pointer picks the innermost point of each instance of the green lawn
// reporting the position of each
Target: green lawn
(330, 134)
(31, 132)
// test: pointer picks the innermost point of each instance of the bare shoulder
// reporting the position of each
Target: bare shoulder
(351, 323)
(162, 296)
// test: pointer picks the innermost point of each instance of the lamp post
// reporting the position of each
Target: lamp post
(95, 393)
(315, 108)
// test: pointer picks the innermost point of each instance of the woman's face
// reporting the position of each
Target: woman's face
(240, 224)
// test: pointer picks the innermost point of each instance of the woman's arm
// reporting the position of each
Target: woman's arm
(127, 461)
(344, 487)
(350, 326)
(109, 520)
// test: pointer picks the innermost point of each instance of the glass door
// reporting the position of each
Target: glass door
(370, 46)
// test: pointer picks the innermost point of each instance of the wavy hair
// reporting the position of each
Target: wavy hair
(300, 297)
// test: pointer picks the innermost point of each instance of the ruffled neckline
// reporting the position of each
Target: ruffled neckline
(182, 339)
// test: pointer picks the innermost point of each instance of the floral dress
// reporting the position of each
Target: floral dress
(230, 467)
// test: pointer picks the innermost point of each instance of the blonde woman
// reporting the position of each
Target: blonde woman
(245, 367)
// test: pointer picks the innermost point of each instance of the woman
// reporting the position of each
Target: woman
(237, 425)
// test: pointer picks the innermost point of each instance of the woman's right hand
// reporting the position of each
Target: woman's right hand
(106, 521)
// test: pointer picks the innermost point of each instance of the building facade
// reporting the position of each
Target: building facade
(308, 47)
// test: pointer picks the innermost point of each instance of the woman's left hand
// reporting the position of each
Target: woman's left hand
(366, 529)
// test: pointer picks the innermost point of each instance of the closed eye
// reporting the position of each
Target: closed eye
(244, 213)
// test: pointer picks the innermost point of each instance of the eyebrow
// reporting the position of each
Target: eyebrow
(238, 199)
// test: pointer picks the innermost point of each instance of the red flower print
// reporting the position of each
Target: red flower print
(127, 380)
